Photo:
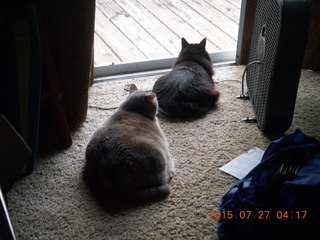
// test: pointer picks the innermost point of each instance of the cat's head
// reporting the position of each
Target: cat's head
(141, 102)
(193, 52)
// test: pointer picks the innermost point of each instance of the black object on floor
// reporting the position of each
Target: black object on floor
(279, 36)
(279, 198)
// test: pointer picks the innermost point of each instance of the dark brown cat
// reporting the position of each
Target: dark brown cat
(187, 92)
(128, 159)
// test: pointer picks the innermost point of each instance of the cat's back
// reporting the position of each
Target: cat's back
(131, 125)
(128, 158)
(127, 133)
(185, 75)
(187, 91)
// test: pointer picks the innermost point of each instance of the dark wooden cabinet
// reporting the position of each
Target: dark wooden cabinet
(20, 80)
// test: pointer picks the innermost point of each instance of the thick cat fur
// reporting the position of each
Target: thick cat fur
(128, 158)
(188, 91)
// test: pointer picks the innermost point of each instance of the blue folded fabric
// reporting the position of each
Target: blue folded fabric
(280, 197)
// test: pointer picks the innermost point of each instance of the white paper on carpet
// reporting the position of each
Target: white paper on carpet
(240, 166)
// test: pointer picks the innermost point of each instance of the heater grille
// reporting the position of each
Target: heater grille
(274, 44)
(266, 29)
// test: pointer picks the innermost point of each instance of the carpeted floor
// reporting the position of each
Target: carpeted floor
(53, 202)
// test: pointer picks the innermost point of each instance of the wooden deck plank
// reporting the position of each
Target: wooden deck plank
(138, 30)
(230, 10)
(175, 23)
(214, 16)
(167, 38)
(206, 28)
(149, 47)
(236, 3)
(112, 36)
(103, 53)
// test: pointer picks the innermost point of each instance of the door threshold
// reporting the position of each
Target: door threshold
(152, 67)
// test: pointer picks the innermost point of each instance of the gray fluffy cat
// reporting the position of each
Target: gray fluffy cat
(187, 92)
(128, 158)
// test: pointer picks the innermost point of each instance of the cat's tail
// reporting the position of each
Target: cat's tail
(192, 108)
(125, 196)
(165, 113)
(215, 94)
(150, 194)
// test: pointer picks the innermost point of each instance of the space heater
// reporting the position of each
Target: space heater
(276, 52)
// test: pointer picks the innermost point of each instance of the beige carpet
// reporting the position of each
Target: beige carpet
(53, 203)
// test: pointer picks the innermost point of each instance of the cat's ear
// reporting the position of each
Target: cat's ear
(203, 43)
(184, 42)
(133, 87)
(151, 96)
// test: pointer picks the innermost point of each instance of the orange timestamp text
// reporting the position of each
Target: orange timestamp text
(260, 215)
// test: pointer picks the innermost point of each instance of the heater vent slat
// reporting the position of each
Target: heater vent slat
(272, 84)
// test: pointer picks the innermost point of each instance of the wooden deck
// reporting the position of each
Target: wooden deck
(138, 30)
